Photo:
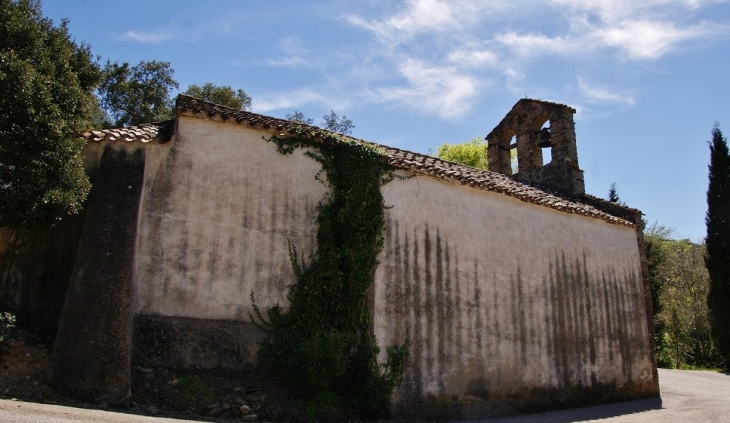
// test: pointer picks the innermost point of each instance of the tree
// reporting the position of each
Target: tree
(679, 285)
(470, 153)
(47, 83)
(613, 194)
(332, 121)
(656, 241)
(132, 95)
(718, 243)
(337, 123)
(298, 116)
(225, 95)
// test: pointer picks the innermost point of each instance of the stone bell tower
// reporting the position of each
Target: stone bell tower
(525, 124)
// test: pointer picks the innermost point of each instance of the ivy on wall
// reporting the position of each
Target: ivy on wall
(322, 344)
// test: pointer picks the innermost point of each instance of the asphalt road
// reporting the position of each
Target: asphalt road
(28, 412)
(687, 396)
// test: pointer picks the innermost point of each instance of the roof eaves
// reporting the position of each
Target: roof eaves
(403, 159)
(159, 132)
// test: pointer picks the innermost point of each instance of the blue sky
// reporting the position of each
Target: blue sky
(649, 78)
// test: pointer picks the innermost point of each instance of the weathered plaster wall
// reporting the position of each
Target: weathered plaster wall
(507, 304)
(219, 207)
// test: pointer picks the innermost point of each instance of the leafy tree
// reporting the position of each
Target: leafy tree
(679, 285)
(332, 121)
(718, 242)
(686, 291)
(298, 116)
(47, 83)
(337, 123)
(656, 240)
(470, 153)
(225, 95)
(132, 95)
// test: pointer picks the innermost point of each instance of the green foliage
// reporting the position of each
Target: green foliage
(298, 116)
(470, 153)
(679, 285)
(337, 123)
(613, 195)
(321, 346)
(132, 95)
(718, 243)
(332, 121)
(7, 323)
(224, 94)
(655, 240)
(47, 84)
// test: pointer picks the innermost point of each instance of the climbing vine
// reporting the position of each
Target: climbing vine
(322, 344)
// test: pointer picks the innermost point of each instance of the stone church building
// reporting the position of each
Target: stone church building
(514, 291)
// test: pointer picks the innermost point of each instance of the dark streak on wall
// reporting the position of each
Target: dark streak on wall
(454, 318)
(192, 254)
(96, 363)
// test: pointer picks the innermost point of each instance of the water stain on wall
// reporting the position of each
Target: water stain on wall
(215, 230)
(478, 334)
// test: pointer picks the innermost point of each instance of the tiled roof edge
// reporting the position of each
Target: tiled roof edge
(625, 212)
(496, 182)
(160, 132)
(402, 159)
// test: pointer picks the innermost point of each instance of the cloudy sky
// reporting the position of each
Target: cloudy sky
(648, 78)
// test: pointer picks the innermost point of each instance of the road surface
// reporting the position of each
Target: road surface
(687, 396)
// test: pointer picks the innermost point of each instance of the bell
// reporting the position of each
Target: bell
(544, 138)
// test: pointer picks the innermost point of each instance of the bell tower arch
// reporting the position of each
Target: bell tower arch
(526, 121)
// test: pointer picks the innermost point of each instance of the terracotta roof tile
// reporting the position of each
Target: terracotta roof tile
(160, 132)
(418, 163)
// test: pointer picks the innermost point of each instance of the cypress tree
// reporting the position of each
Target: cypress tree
(718, 243)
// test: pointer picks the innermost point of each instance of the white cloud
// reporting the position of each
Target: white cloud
(419, 16)
(147, 36)
(634, 40)
(183, 31)
(448, 52)
(266, 102)
(295, 54)
(441, 90)
(429, 17)
(538, 44)
(596, 94)
(473, 58)
(615, 11)
(650, 40)
(290, 62)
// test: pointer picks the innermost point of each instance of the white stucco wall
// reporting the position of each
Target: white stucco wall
(219, 207)
(497, 296)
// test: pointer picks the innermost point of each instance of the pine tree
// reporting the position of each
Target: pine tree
(613, 194)
(718, 243)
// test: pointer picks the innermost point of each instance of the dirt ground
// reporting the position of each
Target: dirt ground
(196, 394)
